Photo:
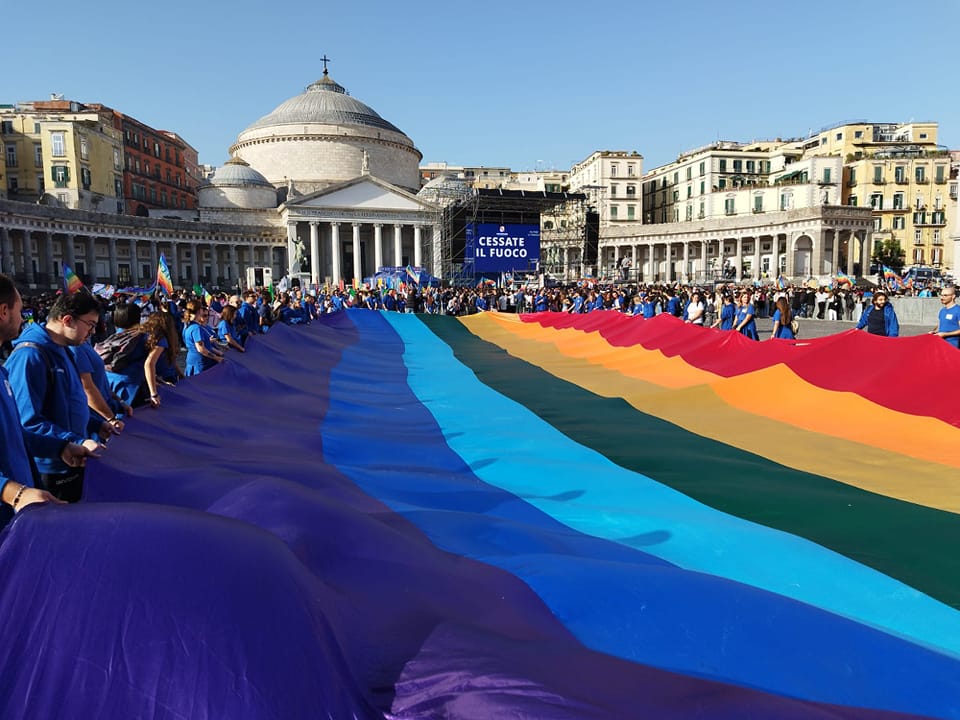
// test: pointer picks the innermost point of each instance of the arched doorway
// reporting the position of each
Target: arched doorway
(803, 256)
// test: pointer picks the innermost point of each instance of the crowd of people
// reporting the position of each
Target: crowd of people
(78, 365)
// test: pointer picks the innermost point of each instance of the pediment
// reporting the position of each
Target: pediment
(366, 193)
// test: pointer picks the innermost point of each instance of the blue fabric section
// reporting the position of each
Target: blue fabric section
(614, 598)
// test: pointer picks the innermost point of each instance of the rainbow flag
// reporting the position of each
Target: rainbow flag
(71, 283)
(164, 279)
(413, 275)
(841, 278)
(629, 529)
(782, 282)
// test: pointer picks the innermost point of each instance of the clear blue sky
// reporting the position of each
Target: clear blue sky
(522, 84)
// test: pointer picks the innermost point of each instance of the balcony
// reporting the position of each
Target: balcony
(879, 181)
(922, 180)
(901, 181)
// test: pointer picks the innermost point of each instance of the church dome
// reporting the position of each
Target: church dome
(237, 185)
(324, 137)
(236, 172)
(326, 102)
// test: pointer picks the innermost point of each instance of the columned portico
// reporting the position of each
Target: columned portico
(335, 252)
(357, 269)
(377, 246)
(397, 245)
(315, 252)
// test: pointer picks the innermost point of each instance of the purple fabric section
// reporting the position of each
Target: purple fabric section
(219, 567)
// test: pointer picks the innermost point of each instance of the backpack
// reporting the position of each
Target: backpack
(119, 351)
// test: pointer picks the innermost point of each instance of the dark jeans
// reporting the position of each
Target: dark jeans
(66, 486)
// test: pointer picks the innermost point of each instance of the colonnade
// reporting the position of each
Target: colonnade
(327, 243)
(36, 258)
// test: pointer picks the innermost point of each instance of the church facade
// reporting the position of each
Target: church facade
(322, 189)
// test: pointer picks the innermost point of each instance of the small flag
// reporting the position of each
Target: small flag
(843, 279)
(782, 282)
(71, 283)
(413, 275)
(164, 279)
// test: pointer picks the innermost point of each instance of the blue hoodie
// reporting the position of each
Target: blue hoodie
(890, 323)
(66, 416)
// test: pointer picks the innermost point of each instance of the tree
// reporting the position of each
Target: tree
(889, 253)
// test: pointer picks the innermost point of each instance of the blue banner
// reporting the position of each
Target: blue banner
(502, 248)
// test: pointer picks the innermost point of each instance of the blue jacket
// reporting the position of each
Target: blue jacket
(890, 323)
(60, 414)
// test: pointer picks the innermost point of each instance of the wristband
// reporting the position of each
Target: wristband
(16, 498)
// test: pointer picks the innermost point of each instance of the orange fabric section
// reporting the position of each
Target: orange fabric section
(748, 412)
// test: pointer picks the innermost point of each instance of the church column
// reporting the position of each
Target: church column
(757, 272)
(315, 252)
(417, 246)
(566, 263)
(377, 247)
(790, 256)
(397, 245)
(335, 254)
(704, 251)
(48, 266)
(114, 265)
(251, 255)
(214, 265)
(686, 262)
(28, 257)
(634, 264)
(357, 265)
(91, 260)
(436, 239)
(6, 252)
(291, 248)
(738, 260)
(234, 264)
(134, 264)
(834, 252)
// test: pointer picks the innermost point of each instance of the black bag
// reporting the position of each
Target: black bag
(119, 351)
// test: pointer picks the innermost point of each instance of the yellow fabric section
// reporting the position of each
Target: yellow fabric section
(772, 413)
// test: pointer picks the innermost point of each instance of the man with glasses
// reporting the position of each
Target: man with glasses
(49, 392)
(949, 319)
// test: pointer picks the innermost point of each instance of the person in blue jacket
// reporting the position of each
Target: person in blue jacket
(727, 315)
(18, 471)
(50, 398)
(879, 317)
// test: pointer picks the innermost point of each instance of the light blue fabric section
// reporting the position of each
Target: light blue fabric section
(510, 448)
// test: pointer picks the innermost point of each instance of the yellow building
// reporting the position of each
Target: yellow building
(58, 152)
(900, 172)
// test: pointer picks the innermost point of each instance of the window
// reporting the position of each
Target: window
(36, 128)
(898, 222)
(38, 155)
(923, 136)
(730, 206)
(751, 166)
(613, 191)
(853, 177)
(918, 255)
(876, 201)
(163, 197)
(921, 174)
(758, 203)
(900, 175)
(116, 158)
(40, 184)
(703, 187)
(839, 136)
(823, 141)
(676, 195)
(7, 127)
(631, 212)
(61, 175)
(939, 177)
(786, 201)
(703, 169)
(630, 169)
(689, 172)
(118, 187)
(826, 175)
(689, 213)
(85, 178)
(877, 175)
(613, 212)
(737, 166)
(700, 215)
(918, 236)
(937, 202)
(936, 237)
(853, 201)
(631, 190)
(689, 191)
(11, 155)
(676, 178)
(723, 164)
(898, 201)
(84, 149)
(878, 223)
(613, 169)
(13, 184)
(146, 166)
(57, 148)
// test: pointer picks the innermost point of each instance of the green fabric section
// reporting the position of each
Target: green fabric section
(914, 544)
